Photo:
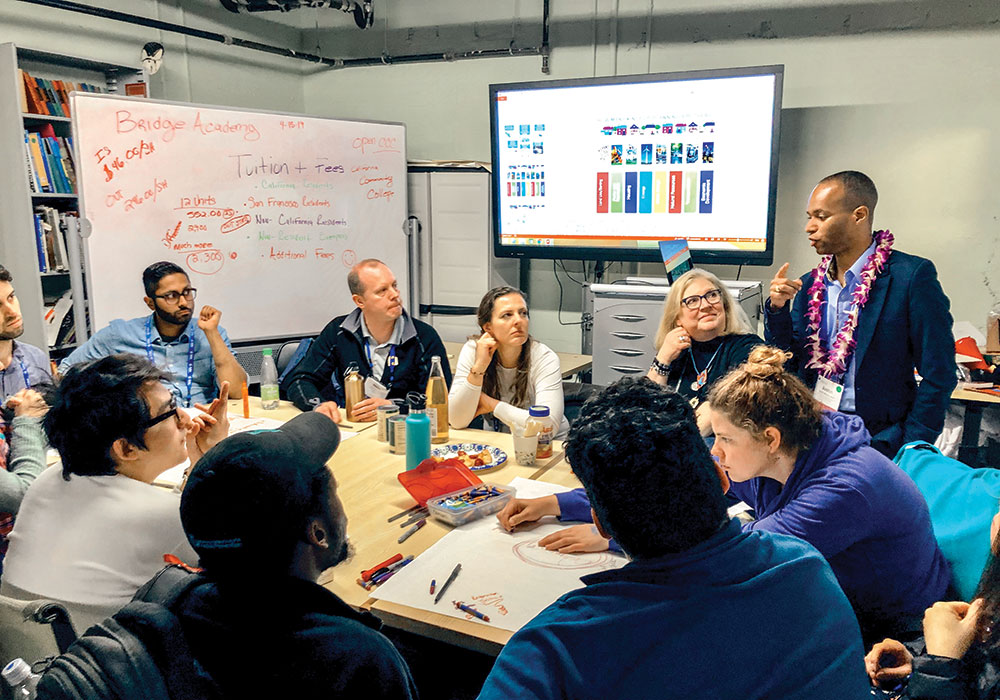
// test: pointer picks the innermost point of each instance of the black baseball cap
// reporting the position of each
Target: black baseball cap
(251, 495)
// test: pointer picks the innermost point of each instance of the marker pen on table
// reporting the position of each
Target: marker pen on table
(472, 611)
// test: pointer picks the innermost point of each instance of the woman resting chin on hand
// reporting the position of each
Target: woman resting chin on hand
(504, 371)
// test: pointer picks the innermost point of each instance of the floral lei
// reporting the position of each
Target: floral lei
(835, 363)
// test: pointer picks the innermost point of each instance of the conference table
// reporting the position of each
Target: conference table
(366, 475)
(569, 363)
(975, 402)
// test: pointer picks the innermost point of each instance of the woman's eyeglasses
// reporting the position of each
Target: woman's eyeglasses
(693, 302)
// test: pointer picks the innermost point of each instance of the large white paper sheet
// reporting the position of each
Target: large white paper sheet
(506, 576)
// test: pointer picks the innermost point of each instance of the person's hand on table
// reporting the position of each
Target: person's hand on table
(487, 404)
(579, 538)
(365, 411)
(783, 289)
(888, 663)
(527, 510)
(950, 627)
(210, 427)
(29, 403)
(330, 409)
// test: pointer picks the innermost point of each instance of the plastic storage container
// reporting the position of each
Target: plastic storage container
(453, 508)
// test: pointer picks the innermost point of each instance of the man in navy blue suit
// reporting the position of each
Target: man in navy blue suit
(866, 366)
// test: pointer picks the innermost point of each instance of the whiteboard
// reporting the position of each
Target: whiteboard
(265, 212)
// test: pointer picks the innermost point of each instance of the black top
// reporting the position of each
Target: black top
(320, 375)
(718, 355)
(290, 638)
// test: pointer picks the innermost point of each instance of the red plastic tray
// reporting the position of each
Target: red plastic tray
(431, 479)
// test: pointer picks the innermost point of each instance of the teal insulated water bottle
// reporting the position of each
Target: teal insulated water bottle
(418, 430)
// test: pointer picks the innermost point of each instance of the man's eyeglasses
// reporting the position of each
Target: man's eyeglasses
(693, 302)
(189, 293)
(172, 413)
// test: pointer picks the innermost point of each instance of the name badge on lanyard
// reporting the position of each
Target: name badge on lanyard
(829, 393)
(189, 380)
(391, 361)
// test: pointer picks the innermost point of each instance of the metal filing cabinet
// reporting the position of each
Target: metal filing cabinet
(626, 317)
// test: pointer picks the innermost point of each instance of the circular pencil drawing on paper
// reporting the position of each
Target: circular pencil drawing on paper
(529, 552)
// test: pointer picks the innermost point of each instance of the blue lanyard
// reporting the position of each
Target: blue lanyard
(190, 363)
(391, 361)
(24, 373)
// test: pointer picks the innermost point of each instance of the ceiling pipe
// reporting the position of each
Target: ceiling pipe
(384, 59)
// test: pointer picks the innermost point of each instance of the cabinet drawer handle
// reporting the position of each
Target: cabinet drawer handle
(625, 369)
(625, 335)
(627, 352)
(631, 318)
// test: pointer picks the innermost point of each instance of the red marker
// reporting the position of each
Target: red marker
(365, 575)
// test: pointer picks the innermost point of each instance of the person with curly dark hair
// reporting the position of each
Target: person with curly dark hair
(814, 475)
(657, 627)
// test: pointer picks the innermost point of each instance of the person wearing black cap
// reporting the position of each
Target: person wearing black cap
(262, 512)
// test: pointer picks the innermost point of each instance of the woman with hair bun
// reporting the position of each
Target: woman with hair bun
(813, 474)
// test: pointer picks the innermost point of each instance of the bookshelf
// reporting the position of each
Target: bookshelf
(19, 249)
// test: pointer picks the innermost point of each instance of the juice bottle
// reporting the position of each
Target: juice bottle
(437, 402)
(539, 419)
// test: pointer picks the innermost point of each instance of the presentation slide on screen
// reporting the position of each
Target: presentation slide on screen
(632, 164)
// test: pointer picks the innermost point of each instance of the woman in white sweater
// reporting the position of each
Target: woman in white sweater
(505, 371)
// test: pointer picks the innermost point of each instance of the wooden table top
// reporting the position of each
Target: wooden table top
(969, 395)
(366, 474)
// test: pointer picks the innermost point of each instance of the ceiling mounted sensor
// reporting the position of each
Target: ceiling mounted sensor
(362, 10)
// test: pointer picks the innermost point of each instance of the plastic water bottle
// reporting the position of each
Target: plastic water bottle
(21, 680)
(268, 381)
(418, 430)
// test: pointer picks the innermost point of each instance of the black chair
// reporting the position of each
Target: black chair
(574, 394)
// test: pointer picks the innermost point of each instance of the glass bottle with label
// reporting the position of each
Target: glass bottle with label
(437, 402)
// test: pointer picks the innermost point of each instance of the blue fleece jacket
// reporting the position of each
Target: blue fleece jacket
(664, 628)
(866, 516)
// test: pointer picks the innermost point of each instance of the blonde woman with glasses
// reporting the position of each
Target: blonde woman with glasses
(702, 335)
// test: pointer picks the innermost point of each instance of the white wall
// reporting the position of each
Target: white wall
(194, 70)
(916, 110)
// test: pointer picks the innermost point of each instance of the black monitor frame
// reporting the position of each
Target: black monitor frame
(701, 257)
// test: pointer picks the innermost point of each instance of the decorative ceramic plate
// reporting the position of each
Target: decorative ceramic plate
(472, 453)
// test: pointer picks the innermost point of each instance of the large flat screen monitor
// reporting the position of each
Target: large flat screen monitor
(605, 168)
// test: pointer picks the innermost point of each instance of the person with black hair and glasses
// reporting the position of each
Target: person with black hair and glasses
(703, 610)
(89, 534)
(195, 350)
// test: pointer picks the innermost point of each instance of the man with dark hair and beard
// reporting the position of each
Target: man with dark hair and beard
(262, 512)
(22, 366)
(195, 350)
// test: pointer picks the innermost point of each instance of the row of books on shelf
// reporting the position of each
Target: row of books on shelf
(50, 161)
(51, 228)
(50, 97)
(59, 326)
